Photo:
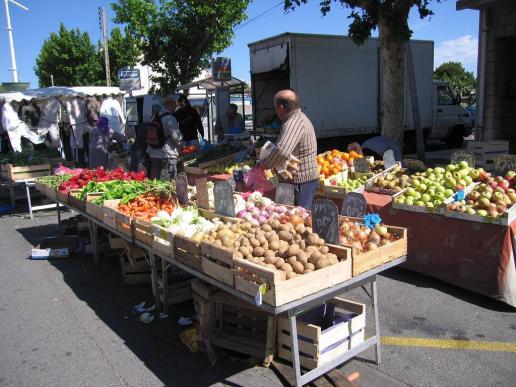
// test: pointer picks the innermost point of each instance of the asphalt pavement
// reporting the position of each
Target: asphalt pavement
(71, 323)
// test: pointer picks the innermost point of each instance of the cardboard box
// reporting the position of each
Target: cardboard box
(57, 247)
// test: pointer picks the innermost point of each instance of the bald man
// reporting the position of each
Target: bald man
(297, 138)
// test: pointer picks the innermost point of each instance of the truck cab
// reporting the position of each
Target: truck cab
(450, 121)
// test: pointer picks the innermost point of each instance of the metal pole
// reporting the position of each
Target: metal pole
(11, 42)
(106, 49)
(51, 79)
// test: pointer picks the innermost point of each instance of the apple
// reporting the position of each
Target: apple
(482, 212)
(411, 191)
(449, 192)
(487, 195)
(437, 202)
(417, 196)
(423, 188)
(440, 196)
(484, 202)
(464, 164)
(409, 201)
(504, 184)
(457, 175)
(464, 172)
(499, 189)
(420, 203)
(471, 211)
(489, 189)
(448, 175)
(499, 178)
(468, 180)
(474, 195)
(425, 197)
(450, 167)
(498, 196)
(429, 204)
(474, 174)
(512, 196)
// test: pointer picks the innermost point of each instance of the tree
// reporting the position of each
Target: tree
(123, 52)
(391, 19)
(70, 57)
(458, 78)
(178, 37)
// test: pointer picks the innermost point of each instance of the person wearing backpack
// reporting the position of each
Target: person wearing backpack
(162, 137)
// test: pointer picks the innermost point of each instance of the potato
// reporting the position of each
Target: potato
(218, 242)
(298, 267)
(284, 227)
(306, 271)
(254, 242)
(238, 254)
(275, 224)
(300, 229)
(236, 244)
(293, 250)
(285, 236)
(266, 228)
(279, 262)
(258, 251)
(309, 266)
(313, 239)
(332, 258)
(249, 256)
(311, 249)
(302, 244)
(244, 250)
(249, 236)
(274, 245)
(271, 260)
(314, 257)
(286, 267)
(291, 260)
(322, 263)
(254, 260)
(244, 242)
(269, 253)
(302, 256)
(225, 232)
(291, 274)
(235, 228)
(324, 249)
(270, 266)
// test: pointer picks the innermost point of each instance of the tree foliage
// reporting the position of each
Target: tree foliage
(73, 60)
(462, 81)
(70, 57)
(178, 37)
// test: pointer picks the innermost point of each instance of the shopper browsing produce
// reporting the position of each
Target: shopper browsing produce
(100, 137)
(296, 138)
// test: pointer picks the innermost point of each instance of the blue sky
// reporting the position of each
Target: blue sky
(454, 33)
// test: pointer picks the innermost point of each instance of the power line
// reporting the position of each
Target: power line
(264, 13)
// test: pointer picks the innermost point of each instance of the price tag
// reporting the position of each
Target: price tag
(223, 195)
(325, 220)
(361, 166)
(182, 188)
(462, 155)
(285, 194)
(354, 205)
(201, 188)
(504, 164)
(258, 298)
(388, 159)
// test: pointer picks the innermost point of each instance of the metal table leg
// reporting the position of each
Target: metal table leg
(294, 346)
(154, 279)
(58, 214)
(164, 276)
(377, 351)
(94, 243)
(27, 190)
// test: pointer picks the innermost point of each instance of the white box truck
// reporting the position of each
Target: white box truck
(339, 86)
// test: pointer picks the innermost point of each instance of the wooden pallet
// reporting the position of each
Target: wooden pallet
(202, 168)
(249, 277)
(13, 173)
(317, 345)
(365, 261)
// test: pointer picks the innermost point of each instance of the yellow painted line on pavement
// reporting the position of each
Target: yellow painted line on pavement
(496, 346)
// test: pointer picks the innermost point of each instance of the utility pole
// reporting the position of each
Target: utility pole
(10, 34)
(103, 26)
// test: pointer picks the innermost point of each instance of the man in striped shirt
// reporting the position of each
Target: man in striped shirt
(297, 138)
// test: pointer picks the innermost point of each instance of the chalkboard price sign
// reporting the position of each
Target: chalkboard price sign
(201, 186)
(361, 165)
(223, 195)
(504, 164)
(462, 155)
(182, 188)
(285, 194)
(354, 205)
(388, 159)
(325, 220)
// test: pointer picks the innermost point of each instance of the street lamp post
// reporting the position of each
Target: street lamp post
(10, 34)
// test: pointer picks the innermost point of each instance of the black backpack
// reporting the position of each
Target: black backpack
(155, 133)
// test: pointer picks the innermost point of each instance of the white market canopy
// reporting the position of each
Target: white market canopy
(210, 84)
(60, 91)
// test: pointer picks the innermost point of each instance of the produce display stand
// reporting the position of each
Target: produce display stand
(291, 308)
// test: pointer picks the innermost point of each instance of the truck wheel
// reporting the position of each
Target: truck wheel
(456, 138)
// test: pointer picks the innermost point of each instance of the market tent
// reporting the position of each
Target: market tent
(211, 84)
(61, 91)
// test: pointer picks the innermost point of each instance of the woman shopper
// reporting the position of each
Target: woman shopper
(100, 137)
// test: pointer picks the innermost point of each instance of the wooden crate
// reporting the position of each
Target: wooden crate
(369, 187)
(143, 231)
(238, 326)
(62, 197)
(124, 224)
(365, 261)
(249, 277)
(74, 201)
(134, 272)
(324, 333)
(133, 252)
(93, 209)
(115, 243)
(163, 241)
(187, 251)
(201, 293)
(45, 190)
(217, 262)
(202, 168)
(110, 210)
(177, 293)
(487, 151)
(12, 173)
(333, 191)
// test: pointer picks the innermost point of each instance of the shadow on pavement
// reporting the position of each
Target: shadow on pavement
(423, 281)
(157, 344)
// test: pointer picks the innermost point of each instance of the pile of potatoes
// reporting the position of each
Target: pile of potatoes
(293, 250)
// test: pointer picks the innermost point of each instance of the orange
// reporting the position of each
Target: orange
(335, 153)
(335, 170)
(344, 156)
(325, 170)
(354, 155)
(326, 163)
(320, 159)
(329, 157)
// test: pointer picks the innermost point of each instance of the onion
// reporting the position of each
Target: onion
(384, 242)
(262, 220)
(264, 213)
(296, 219)
(374, 237)
(367, 230)
(381, 230)
(255, 211)
(361, 236)
(242, 214)
(344, 227)
(349, 234)
(356, 245)
(370, 246)
(281, 209)
(249, 206)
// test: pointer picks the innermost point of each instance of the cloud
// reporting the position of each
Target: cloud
(463, 49)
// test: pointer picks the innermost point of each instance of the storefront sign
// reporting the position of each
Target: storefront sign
(221, 69)
(129, 79)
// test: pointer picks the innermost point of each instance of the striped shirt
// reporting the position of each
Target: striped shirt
(297, 138)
